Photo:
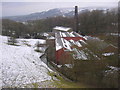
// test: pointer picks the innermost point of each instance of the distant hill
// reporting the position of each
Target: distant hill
(65, 12)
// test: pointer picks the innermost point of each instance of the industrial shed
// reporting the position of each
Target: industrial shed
(66, 45)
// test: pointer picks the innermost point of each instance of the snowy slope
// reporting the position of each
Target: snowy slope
(21, 64)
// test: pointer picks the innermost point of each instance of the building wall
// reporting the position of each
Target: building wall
(63, 57)
(50, 50)
(58, 57)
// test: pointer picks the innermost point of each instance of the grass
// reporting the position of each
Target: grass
(13, 44)
(62, 83)
(27, 44)
(59, 83)
(38, 50)
(35, 85)
(110, 39)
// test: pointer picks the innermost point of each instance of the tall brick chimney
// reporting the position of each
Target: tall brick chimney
(76, 19)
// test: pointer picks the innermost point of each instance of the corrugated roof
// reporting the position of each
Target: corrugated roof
(68, 42)
(60, 28)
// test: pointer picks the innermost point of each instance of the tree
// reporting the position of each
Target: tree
(12, 40)
(37, 45)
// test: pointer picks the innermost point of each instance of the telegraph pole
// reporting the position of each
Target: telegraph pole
(76, 19)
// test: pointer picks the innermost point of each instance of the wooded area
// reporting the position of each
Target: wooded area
(90, 23)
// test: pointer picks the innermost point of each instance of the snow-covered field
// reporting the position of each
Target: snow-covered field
(21, 64)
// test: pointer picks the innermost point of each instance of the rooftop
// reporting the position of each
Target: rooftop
(60, 28)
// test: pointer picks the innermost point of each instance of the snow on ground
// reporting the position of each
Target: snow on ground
(32, 42)
(21, 64)
(107, 54)
(0, 65)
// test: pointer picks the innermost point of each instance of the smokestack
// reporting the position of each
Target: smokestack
(76, 19)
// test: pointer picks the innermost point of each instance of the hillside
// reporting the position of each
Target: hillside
(80, 58)
(22, 67)
(21, 64)
(65, 12)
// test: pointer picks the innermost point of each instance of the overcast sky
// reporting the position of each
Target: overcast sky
(23, 7)
(59, 0)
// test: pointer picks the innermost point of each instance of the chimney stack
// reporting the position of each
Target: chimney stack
(76, 19)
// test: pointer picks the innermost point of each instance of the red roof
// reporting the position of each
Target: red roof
(74, 38)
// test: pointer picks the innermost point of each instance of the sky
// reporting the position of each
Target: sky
(60, 0)
(24, 7)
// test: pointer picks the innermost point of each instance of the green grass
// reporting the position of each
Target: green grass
(35, 85)
(110, 39)
(62, 83)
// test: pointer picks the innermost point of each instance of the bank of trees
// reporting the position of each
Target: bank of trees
(94, 22)
(98, 22)
(9, 26)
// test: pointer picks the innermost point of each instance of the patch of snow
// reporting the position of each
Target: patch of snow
(78, 44)
(78, 34)
(69, 65)
(66, 44)
(63, 35)
(114, 68)
(21, 64)
(85, 38)
(0, 62)
(71, 34)
(58, 46)
(51, 37)
(72, 41)
(59, 66)
(83, 41)
(79, 54)
(107, 54)
(115, 34)
(60, 28)
(42, 49)
(31, 42)
(66, 10)
(63, 15)
(45, 34)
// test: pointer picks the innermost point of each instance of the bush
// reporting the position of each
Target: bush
(12, 41)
